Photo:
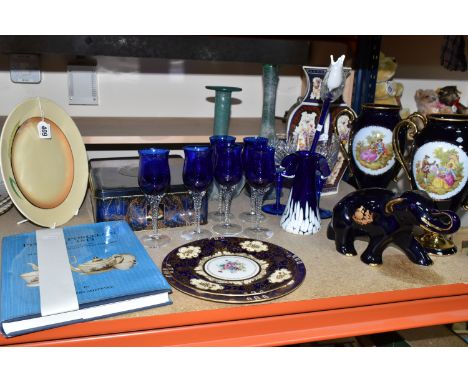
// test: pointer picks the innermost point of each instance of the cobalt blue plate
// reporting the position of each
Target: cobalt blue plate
(233, 270)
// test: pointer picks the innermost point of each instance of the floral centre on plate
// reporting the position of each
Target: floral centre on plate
(232, 268)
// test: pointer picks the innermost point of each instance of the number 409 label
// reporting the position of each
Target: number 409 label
(43, 129)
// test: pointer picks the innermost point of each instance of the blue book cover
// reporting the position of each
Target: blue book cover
(108, 263)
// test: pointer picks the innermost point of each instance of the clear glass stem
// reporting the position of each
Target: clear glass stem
(227, 205)
(258, 205)
(155, 200)
(253, 195)
(221, 197)
(197, 202)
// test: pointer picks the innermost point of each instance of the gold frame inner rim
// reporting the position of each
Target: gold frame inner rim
(380, 106)
(448, 117)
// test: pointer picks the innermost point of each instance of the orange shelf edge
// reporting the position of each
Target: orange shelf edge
(151, 330)
(291, 329)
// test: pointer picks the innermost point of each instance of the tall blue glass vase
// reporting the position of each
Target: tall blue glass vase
(309, 170)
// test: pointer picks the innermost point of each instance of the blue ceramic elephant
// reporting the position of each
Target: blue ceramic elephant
(387, 218)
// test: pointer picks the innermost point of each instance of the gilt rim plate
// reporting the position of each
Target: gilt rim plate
(45, 178)
(233, 270)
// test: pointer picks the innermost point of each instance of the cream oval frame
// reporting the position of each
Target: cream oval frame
(61, 214)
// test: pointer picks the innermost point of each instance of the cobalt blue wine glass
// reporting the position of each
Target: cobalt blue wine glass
(154, 177)
(276, 208)
(260, 174)
(228, 172)
(283, 148)
(218, 216)
(249, 142)
(197, 175)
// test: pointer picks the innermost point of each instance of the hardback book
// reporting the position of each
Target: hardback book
(109, 272)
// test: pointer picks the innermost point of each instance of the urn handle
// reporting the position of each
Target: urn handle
(412, 130)
(465, 205)
(352, 117)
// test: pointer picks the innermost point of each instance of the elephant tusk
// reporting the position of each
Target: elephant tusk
(391, 203)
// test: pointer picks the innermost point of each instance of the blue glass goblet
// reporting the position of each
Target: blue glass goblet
(249, 142)
(197, 175)
(228, 172)
(283, 148)
(260, 174)
(154, 177)
(218, 216)
(276, 208)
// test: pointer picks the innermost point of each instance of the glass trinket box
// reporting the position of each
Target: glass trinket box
(115, 195)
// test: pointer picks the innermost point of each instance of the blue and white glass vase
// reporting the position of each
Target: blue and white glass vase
(310, 171)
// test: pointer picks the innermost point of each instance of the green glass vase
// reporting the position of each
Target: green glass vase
(270, 87)
(222, 114)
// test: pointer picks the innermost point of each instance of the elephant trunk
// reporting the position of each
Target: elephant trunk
(442, 222)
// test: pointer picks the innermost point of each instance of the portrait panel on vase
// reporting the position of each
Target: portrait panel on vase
(439, 169)
(373, 151)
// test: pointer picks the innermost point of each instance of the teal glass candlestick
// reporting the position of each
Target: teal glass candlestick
(222, 114)
(270, 87)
